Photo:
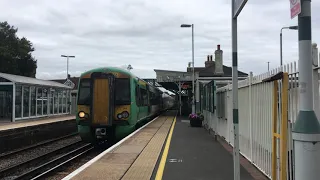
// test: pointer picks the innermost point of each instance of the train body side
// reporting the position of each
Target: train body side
(112, 103)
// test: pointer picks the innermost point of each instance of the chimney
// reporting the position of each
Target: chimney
(209, 61)
(218, 69)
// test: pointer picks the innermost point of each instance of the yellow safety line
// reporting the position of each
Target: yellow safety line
(165, 153)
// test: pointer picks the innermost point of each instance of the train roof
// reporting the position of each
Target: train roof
(117, 69)
(109, 68)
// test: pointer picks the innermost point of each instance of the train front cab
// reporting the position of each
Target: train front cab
(104, 106)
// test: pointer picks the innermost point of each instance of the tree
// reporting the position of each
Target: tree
(15, 53)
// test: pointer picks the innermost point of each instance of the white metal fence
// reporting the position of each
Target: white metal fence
(255, 116)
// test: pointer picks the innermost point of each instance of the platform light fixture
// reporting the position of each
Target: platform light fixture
(67, 63)
(288, 27)
(193, 94)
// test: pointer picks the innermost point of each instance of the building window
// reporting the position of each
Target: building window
(60, 101)
(64, 98)
(56, 103)
(39, 101)
(18, 101)
(68, 101)
(51, 103)
(26, 99)
(33, 101)
(45, 101)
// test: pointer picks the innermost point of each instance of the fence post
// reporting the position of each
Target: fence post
(250, 113)
(283, 135)
(315, 76)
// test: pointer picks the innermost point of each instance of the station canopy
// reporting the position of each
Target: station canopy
(28, 98)
(27, 80)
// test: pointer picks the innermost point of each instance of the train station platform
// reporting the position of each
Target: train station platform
(166, 148)
(15, 135)
(34, 122)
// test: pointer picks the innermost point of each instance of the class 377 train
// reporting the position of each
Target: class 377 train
(112, 103)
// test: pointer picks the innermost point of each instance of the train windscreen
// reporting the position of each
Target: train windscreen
(122, 92)
(84, 92)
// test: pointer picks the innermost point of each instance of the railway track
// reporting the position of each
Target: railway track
(42, 165)
(14, 152)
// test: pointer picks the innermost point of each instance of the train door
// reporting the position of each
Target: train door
(102, 99)
(149, 98)
(138, 101)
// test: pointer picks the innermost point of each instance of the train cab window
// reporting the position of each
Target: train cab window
(122, 92)
(84, 92)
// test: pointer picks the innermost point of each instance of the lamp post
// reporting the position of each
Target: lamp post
(289, 27)
(193, 95)
(67, 63)
(268, 65)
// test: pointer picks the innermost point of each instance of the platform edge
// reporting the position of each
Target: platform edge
(80, 169)
(165, 152)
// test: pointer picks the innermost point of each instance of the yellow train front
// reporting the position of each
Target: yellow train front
(112, 103)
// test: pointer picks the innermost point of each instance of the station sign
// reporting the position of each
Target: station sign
(295, 8)
(238, 6)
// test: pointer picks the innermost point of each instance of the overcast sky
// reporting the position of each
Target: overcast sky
(147, 33)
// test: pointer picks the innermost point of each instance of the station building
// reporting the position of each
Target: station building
(29, 98)
(213, 71)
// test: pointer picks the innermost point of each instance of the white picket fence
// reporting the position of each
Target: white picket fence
(255, 116)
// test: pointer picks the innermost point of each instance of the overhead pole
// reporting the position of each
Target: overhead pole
(306, 130)
(289, 27)
(236, 7)
(67, 63)
(193, 75)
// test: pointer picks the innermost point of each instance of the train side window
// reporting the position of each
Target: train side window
(144, 97)
(154, 100)
(84, 97)
(138, 101)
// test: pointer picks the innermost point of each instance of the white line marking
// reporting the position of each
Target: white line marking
(174, 160)
(89, 163)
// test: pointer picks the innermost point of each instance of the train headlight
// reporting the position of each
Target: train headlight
(81, 114)
(125, 114)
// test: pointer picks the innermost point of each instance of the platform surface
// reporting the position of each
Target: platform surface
(195, 155)
(169, 149)
(134, 159)
(34, 122)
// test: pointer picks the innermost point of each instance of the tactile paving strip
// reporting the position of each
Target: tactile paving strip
(144, 146)
(143, 167)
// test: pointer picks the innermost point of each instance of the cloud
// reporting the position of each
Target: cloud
(147, 34)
